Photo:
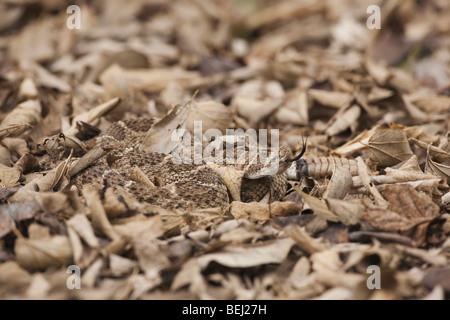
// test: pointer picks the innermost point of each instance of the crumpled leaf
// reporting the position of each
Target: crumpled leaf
(389, 147)
(24, 115)
(245, 257)
(9, 177)
(408, 210)
(347, 119)
(159, 137)
(340, 184)
(41, 254)
(13, 277)
(16, 212)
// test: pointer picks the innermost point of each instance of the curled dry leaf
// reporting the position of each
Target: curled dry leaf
(249, 256)
(409, 212)
(212, 114)
(437, 276)
(24, 115)
(41, 254)
(81, 225)
(53, 177)
(13, 277)
(91, 116)
(437, 169)
(27, 163)
(255, 110)
(28, 89)
(410, 202)
(16, 212)
(159, 137)
(335, 210)
(389, 147)
(16, 145)
(433, 151)
(303, 240)
(151, 80)
(90, 157)
(98, 215)
(231, 177)
(319, 207)
(340, 184)
(349, 213)
(331, 98)
(13, 129)
(431, 103)
(365, 178)
(113, 206)
(347, 119)
(9, 177)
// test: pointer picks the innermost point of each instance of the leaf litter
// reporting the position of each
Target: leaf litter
(371, 189)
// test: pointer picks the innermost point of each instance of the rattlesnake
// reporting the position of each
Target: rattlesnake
(165, 183)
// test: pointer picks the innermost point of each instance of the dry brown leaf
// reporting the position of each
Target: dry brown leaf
(41, 254)
(13, 277)
(212, 114)
(81, 225)
(159, 137)
(34, 42)
(90, 157)
(151, 80)
(409, 212)
(91, 116)
(303, 239)
(249, 256)
(410, 203)
(113, 206)
(28, 89)
(359, 142)
(437, 169)
(389, 147)
(27, 163)
(120, 266)
(16, 145)
(340, 184)
(434, 151)
(46, 78)
(319, 207)
(252, 211)
(349, 213)
(333, 99)
(24, 115)
(239, 235)
(365, 178)
(9, 177)
(231, 177)
(53, 177)
(98, 215)
(13, 129)
(146, 229)
(432, 103)
(342, 121)
(16, 212)
(190, 273)
(255, 110)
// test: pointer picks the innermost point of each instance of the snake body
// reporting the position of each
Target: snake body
(163, 182)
